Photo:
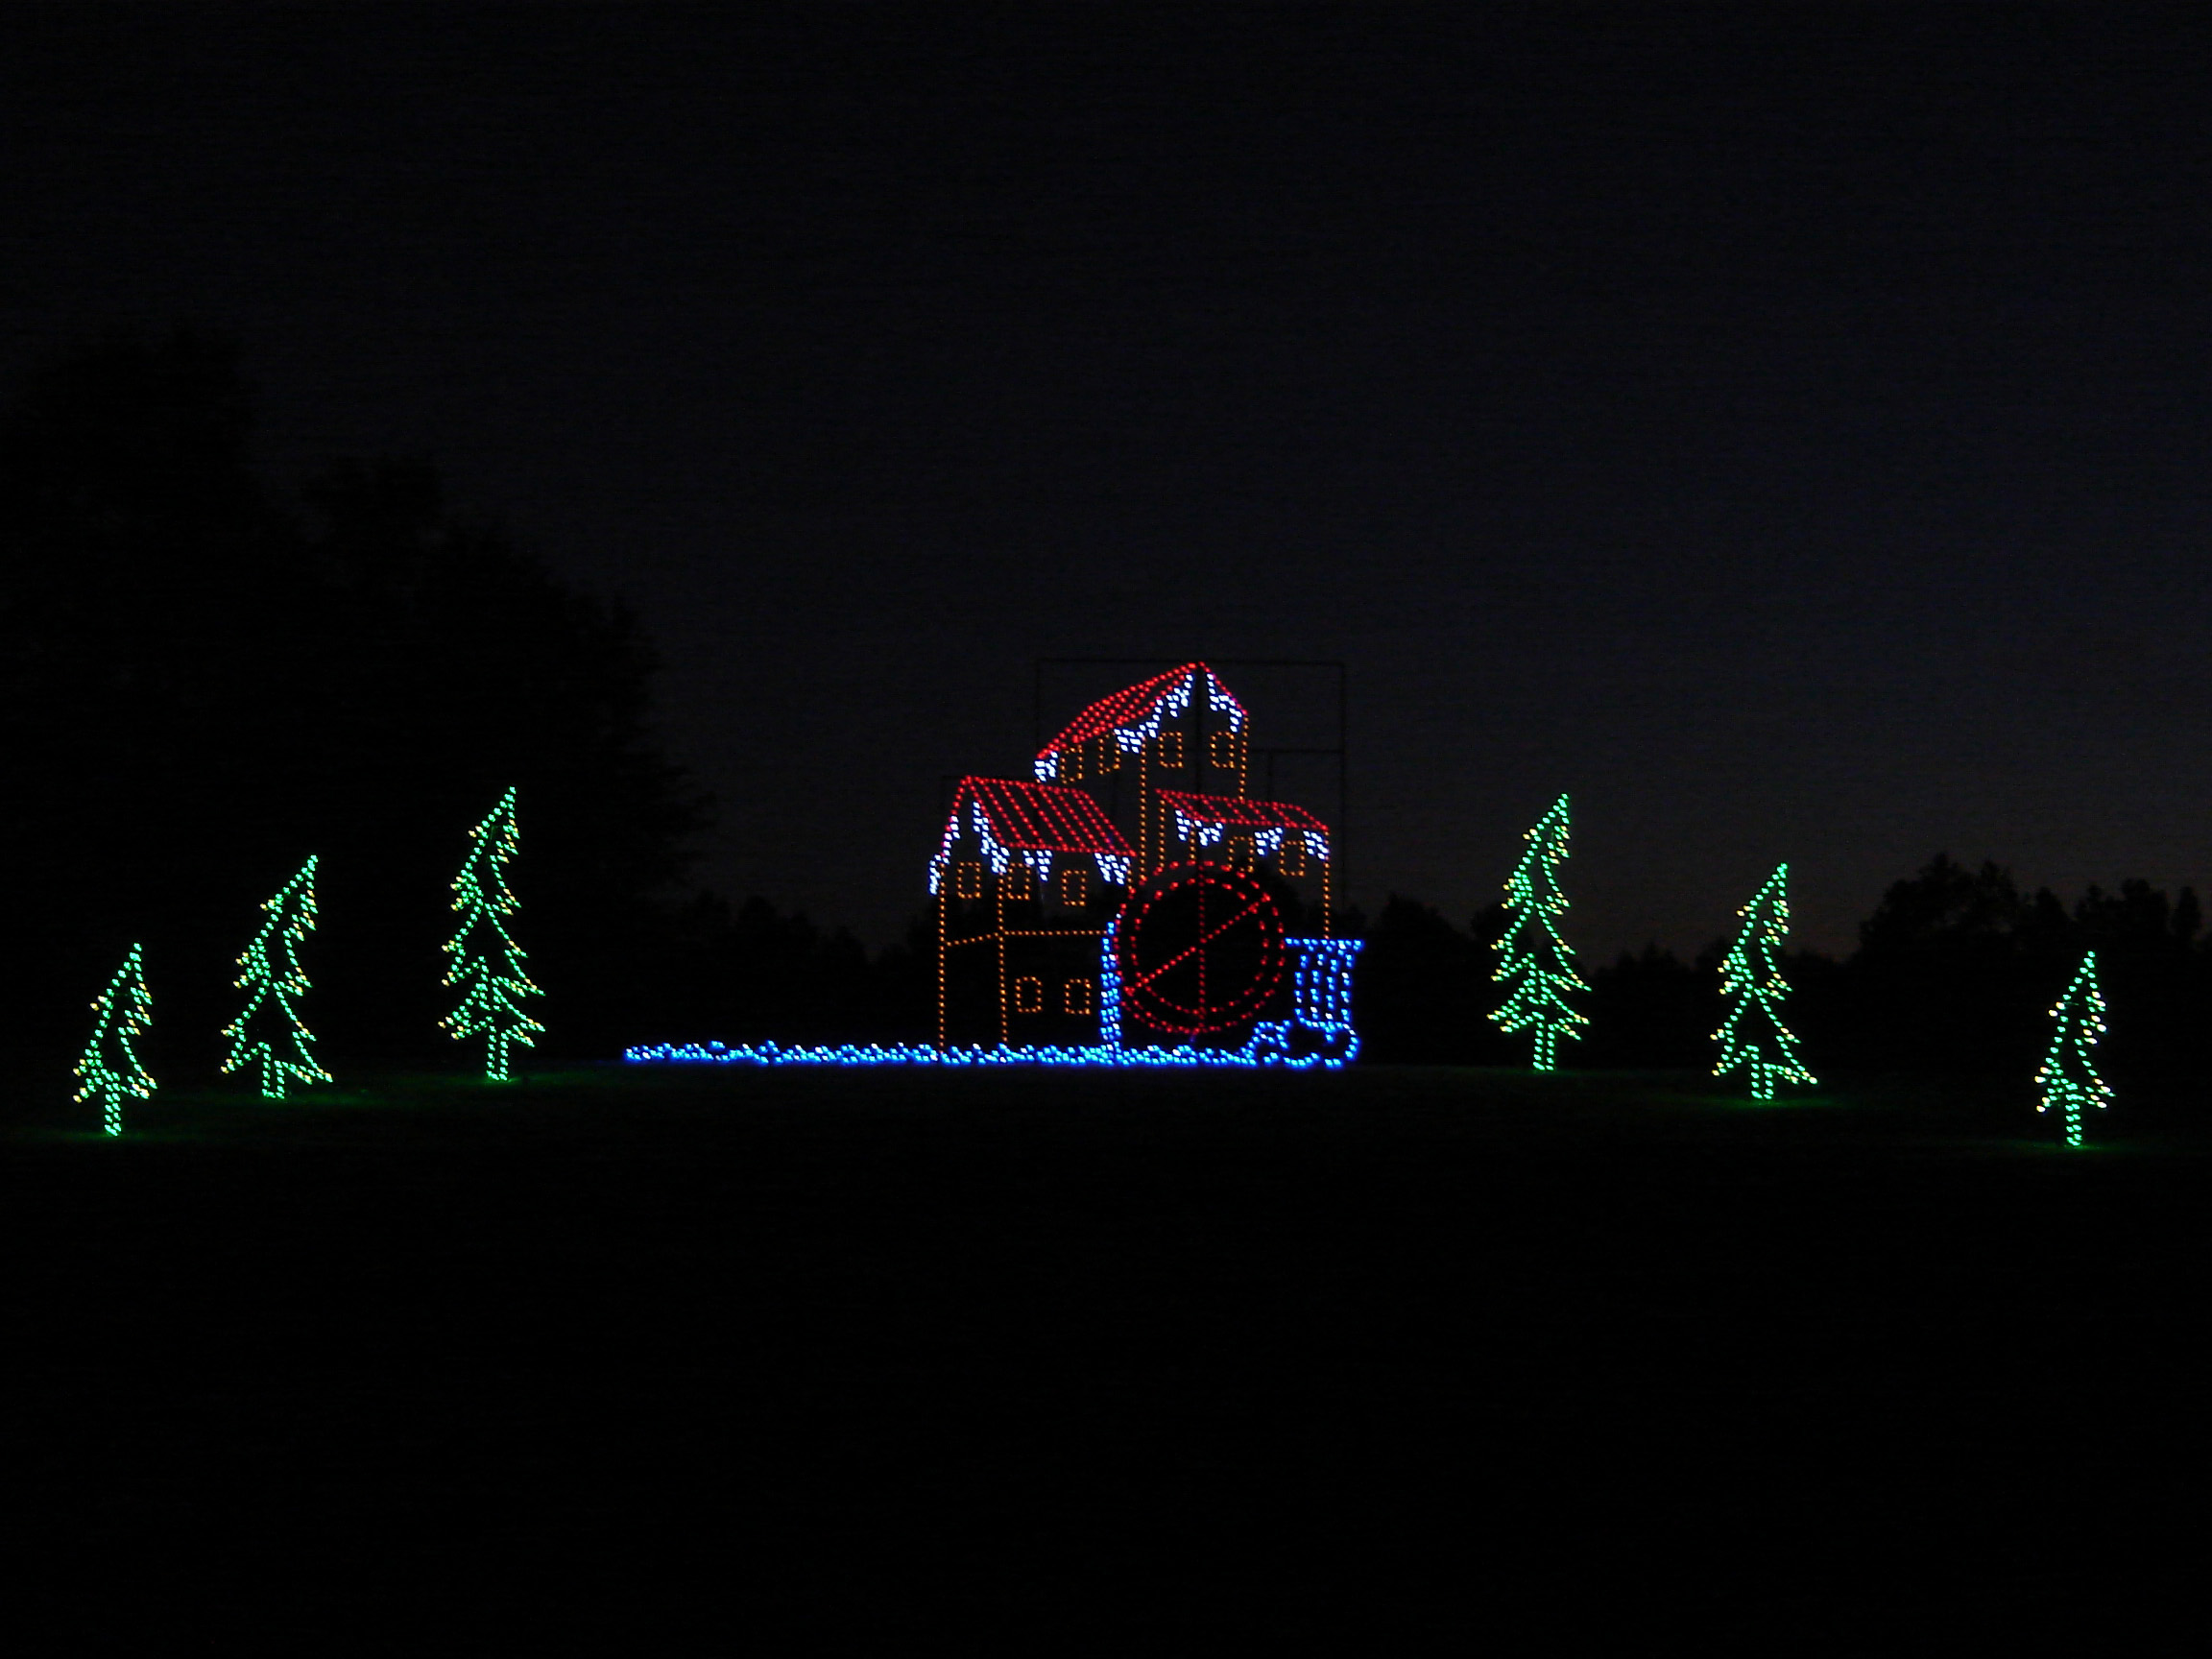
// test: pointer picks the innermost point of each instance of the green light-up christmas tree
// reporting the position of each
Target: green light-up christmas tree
(269, 1035)
(2067, 1080)
(1753, 1037)
(110, 1069)
(488, 964)
(1534, 963)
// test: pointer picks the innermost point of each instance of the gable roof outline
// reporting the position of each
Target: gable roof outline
(1134, 713)
(1205, 819)
(1024, 821)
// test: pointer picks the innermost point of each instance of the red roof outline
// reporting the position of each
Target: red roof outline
(1127, 705)
(1241, 813)
(1041, 817)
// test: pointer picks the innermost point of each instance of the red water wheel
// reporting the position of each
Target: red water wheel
(1200, 950)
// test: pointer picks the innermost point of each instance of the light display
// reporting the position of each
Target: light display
(1534, 963)
(2067, 1080)
(269, 1036)
(1753, 1037)
(1199, 950)
(1319, 1036)
(1137, 715)
(488, 964)
(1261, 1053)
(1102, 804)
(1093, 916)
(109, 1069)
(1021, 825)
(1110, 985)
(1321, 981)
(1205, 820)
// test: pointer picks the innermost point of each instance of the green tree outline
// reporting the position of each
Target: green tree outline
(2066, 1078)
(274, 982)
(489, 1006)
(124, 1010)
(1536, 963)
(1751, 974)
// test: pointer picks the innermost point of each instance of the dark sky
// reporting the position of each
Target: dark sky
(1785, 429)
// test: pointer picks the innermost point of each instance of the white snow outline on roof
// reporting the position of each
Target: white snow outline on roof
(1113, 867)
(1268, 841)
(1174, 700)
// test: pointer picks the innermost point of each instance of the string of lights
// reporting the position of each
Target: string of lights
(1110, 985)
(1242, 911)
(1205, 820)
(1272, 1045)
(1753, 1037)
(1535, 964)
(1319, 1034)
(1321, 971)
(2067, 1080)
(1066, 821)
(1135, 715)
(269, 1036)
(488, 964)
(111, 1069)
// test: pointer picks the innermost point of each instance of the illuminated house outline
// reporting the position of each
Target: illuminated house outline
(1150, 778)
(1045, 889)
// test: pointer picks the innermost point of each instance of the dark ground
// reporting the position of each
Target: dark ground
(1149, 1364)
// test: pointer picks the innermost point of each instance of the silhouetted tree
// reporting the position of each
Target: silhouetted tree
(1421, 992)
(1651, 1009)
(154, 591)
(1953, 970)
(447, 618)
(1939, 982)
(758, 972)
(2149, 955)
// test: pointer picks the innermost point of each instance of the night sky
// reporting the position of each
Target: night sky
(1787, 430)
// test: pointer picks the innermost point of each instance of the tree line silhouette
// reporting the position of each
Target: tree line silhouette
(204, 680)
(1955, 976)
